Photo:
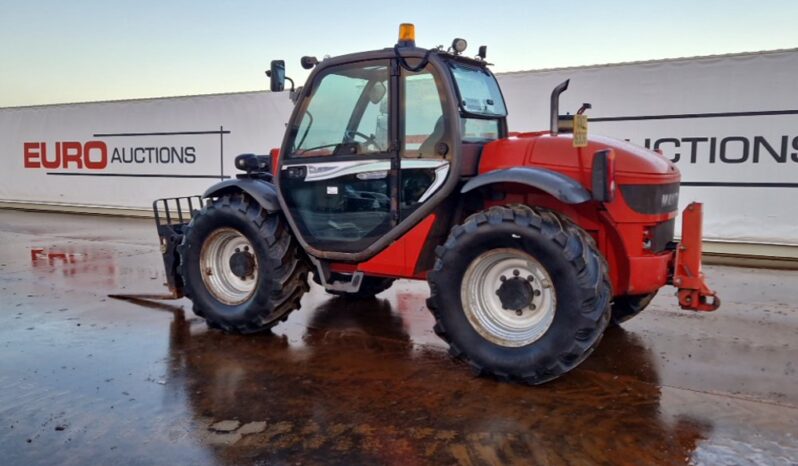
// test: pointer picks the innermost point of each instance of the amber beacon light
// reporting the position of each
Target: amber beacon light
(407, 34)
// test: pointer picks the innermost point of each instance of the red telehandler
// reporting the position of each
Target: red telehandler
(397, 163)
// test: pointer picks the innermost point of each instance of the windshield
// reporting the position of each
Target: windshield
(479, 91)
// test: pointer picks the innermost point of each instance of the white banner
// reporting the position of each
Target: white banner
(730, 123)
(126, 154)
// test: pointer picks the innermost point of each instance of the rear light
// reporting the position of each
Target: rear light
(604, 175)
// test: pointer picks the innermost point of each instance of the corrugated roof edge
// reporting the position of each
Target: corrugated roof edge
(504, 73)
(651, 62)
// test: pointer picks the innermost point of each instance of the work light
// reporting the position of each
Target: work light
(459, 45)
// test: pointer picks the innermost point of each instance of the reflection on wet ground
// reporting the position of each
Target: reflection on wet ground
(88, 379)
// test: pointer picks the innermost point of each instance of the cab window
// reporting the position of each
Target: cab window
(426, 140)
(347, 113)
(424, 122)
(480, 130)
(479, 92)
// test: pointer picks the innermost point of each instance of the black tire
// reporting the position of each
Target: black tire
(282, 273)
(580, 279)
(626, 307)
(369, 288)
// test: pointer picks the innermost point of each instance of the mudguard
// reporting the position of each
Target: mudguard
(262, 191)
(558, 185)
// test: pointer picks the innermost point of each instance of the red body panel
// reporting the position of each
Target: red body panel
(397, 260)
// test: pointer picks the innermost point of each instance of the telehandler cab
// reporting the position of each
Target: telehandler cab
(397, 163)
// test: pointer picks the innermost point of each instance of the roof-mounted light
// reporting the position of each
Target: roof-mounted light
(407, 35)
(459, 45)
(309, 62)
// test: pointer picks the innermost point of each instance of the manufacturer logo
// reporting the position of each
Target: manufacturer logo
(670, 200)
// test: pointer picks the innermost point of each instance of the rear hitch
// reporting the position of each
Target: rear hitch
(693, 293)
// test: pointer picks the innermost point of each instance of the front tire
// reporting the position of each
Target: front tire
(520, 293)
(241, 266)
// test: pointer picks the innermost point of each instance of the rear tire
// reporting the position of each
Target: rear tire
(626, 307)
(257, 289)
(516, 345)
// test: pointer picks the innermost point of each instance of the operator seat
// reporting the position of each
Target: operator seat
(427, 148)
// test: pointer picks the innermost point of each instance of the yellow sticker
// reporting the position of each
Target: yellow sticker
(580, 130)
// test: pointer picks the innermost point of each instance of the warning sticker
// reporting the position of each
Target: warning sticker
(580, 130)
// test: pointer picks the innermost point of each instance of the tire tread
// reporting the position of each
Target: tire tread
(288, 282)
(580, 251)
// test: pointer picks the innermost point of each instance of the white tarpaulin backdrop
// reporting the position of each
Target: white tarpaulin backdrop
(153, 148)
(729, 122)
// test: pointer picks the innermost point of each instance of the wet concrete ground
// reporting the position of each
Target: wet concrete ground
(91, 380)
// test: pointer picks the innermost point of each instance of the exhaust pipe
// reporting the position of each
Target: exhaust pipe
(555, 106)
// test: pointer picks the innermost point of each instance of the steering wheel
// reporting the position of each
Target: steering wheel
(323, 146)
(369, 140)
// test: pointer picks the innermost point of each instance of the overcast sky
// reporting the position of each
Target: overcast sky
(85, 50)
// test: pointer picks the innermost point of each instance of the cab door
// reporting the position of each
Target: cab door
(338, 173)
(426, 141)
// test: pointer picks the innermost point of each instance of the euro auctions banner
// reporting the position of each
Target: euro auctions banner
(730, 123)
(125, 154)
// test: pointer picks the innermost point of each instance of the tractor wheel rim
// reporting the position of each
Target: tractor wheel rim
(488, 281)
(217, 273)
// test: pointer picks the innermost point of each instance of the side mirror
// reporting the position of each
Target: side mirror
(277, 76)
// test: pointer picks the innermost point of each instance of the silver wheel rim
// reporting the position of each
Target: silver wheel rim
(217, 275)
(483, 307)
